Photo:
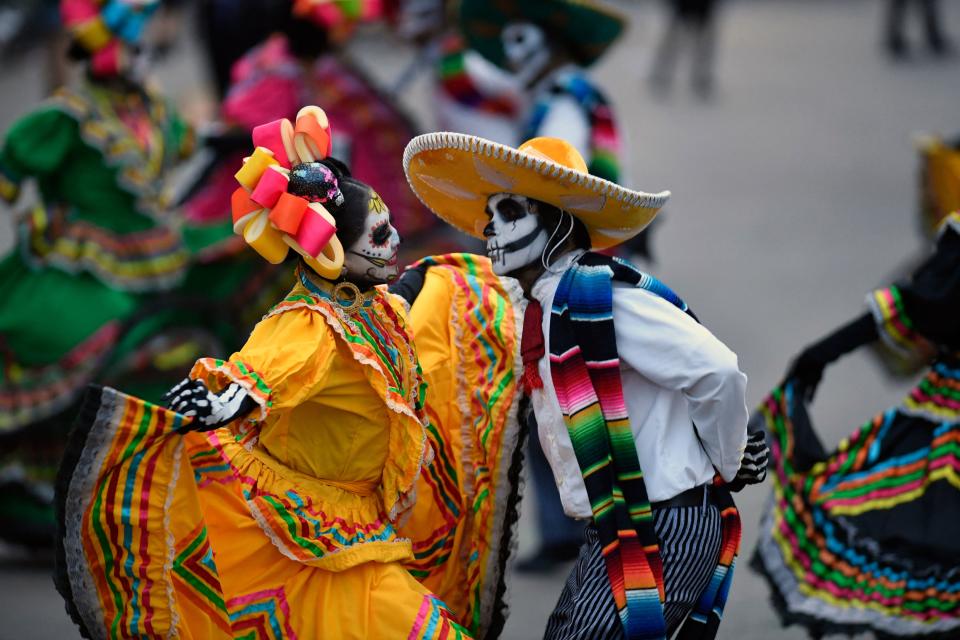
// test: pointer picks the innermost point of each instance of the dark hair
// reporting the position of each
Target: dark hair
(306, 38)
(350, 216)
(555, 220)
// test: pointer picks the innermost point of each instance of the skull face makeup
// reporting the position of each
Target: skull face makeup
(515, 234)
(525, 48)
(373, 257)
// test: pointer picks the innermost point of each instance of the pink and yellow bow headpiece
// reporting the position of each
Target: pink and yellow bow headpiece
(272, 220)
(102, 26)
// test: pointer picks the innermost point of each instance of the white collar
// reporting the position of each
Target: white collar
(547, 281)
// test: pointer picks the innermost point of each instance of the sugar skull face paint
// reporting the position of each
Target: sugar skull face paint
(515, 234)
(373, 257)
(525, 48)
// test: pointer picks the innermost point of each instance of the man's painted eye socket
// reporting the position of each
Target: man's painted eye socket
(511, 209)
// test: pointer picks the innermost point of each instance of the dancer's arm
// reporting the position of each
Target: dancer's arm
(673, 351)
(36, 145)
(808, 368)
(287, 357)
(410, 283)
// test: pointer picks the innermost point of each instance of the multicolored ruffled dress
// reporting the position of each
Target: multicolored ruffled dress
(314, 516)
(81, 287)
(867, 537)
(107, 282)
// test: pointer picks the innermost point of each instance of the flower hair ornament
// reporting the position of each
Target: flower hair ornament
(283, 189)
(101, 27)
(338, 14)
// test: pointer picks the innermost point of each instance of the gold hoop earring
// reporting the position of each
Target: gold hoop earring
(352, 290)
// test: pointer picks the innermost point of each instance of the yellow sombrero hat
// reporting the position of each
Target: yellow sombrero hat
(453, 174)
(939, 180)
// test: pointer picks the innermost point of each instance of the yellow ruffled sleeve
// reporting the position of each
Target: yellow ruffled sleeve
(285, 360)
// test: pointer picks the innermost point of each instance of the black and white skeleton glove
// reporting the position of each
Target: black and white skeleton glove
(753, 464)
(209, 410)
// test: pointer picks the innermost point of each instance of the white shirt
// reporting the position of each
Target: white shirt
(565, 117)
(675, 374)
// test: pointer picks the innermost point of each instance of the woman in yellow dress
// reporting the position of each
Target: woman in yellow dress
(268, 500)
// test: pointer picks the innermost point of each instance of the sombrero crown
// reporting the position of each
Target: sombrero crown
(454, 174)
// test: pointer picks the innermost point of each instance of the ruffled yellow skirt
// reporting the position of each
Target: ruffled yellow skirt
(169, 533)
(157, 540)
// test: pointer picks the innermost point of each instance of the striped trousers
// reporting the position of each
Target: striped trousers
(689, 547)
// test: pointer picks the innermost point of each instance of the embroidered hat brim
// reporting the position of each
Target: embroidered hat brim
(454, 174)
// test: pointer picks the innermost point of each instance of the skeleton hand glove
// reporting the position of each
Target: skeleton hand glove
(209, 410)
(753, 464)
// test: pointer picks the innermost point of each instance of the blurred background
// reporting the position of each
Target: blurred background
(788, 145)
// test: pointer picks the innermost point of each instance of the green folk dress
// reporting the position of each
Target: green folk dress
(106, 283)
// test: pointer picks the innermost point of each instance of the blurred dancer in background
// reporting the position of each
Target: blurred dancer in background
(693, 22)
(108, 281)
(896, 22)
(301, 61)
(230, 29)
(867, 537)
(548, 47)
(83, 284)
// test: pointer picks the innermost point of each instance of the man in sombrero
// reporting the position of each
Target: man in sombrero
(641, 410)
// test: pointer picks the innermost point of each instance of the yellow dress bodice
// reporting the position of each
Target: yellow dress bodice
(340, 433)
(338, 441)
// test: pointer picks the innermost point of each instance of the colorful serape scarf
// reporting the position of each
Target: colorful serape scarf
(603, 157)
(585, 368)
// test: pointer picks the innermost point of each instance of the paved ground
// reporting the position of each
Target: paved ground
(793, 195)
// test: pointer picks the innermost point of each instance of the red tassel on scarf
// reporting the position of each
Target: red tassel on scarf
(531, 347)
